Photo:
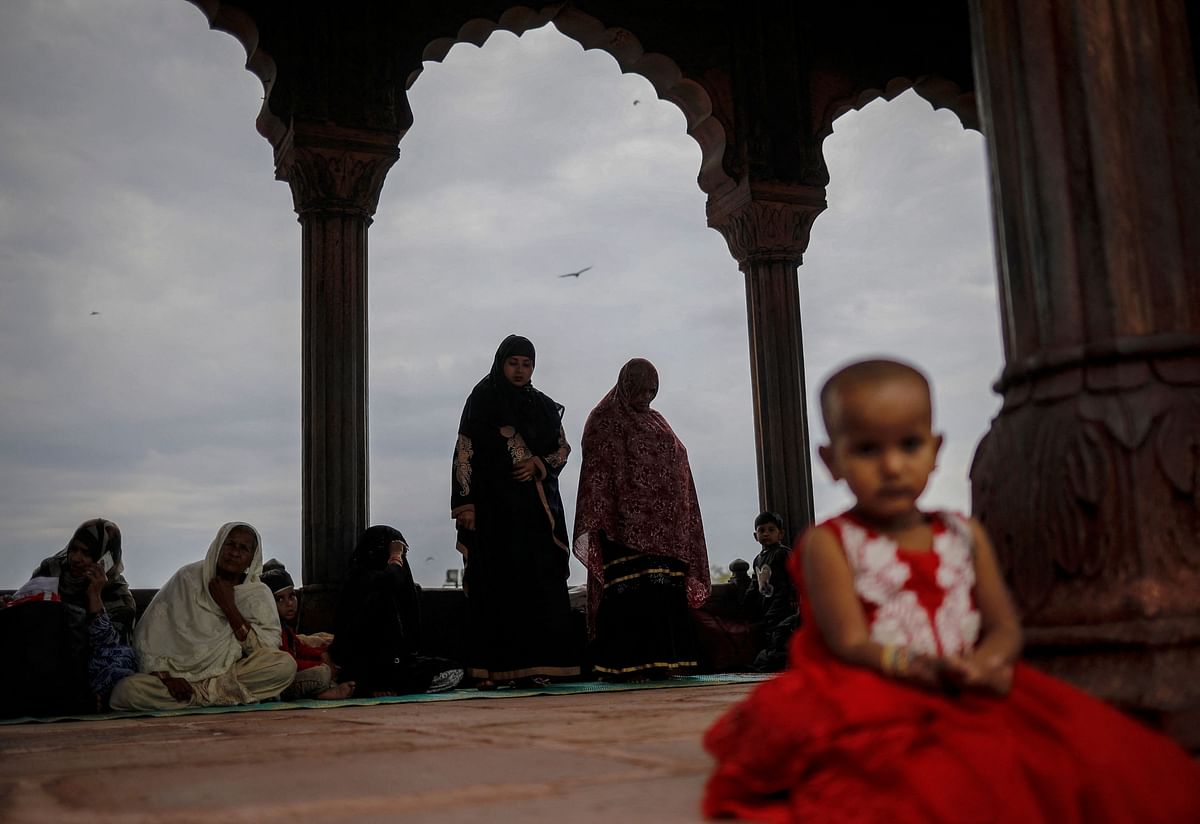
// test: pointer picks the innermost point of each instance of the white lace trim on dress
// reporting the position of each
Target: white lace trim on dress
(880, 577)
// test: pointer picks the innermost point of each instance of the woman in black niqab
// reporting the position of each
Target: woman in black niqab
(377, 629)
(511, 527)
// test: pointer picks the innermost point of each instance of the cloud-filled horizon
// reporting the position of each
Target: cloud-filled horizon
(150, 282)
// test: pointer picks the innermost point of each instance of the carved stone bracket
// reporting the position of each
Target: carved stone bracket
(766, 221)
(335, 170)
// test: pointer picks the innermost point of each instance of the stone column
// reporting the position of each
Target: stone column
(336, 175)
(767, 226)
(1089, 479)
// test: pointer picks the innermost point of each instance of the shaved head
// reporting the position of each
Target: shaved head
(866, 374)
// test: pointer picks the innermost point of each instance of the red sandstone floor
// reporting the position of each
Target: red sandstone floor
(612, 757)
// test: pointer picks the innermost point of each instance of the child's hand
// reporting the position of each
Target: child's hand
(914, 667)
(993, 674)
(924, 670)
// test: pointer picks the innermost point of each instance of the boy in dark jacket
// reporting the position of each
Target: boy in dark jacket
(771, 598)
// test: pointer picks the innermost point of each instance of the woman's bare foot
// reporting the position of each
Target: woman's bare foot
(337, 692)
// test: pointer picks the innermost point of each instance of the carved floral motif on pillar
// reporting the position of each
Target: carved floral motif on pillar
(1089, 481)
(335, 170)
(767, 222)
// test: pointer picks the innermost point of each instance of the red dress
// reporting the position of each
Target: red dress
(829, 742)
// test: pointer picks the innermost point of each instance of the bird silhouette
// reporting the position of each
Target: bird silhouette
(575, 274)
(430, 558)
(636, 102)
(95, 313)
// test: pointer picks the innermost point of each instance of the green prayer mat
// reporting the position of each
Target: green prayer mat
(569, 688)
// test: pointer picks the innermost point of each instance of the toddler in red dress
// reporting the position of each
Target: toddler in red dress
(904, 700)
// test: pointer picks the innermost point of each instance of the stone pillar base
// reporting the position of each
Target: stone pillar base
(1089, 484)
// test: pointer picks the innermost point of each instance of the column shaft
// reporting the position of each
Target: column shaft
(777, 378)
(1089, 479)
(767, 225)
(336, 175)
(335, 391)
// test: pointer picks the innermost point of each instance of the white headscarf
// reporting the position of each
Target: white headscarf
(185, 633)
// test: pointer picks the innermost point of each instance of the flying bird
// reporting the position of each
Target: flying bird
(95, 313)
(575, 274)
(636, 102)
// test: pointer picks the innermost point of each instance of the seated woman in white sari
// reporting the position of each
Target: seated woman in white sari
(211, 635)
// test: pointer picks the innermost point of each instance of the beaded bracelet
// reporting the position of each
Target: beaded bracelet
(895, 660)
(887, 659)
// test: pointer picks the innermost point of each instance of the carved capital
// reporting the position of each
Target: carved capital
(766, 221)
(335, 170)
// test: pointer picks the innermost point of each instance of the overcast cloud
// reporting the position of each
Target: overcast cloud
(133, 184)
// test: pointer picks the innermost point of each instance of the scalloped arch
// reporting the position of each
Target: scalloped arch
(937, 90)
(235, 22)
(664, 74)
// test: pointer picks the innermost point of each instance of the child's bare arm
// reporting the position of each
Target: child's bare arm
(1000, 640)
(839, 614)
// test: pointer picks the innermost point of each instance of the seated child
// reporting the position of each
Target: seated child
(904, 700)
(316, 676)
(770, 600)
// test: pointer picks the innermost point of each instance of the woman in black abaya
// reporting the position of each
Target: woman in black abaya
(377, 632)
(511, 531)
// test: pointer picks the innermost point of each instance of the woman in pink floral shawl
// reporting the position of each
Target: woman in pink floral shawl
(639, 533)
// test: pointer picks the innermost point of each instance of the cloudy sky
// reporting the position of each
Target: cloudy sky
(133, 185)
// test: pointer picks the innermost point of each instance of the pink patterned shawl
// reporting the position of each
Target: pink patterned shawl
(636, 486)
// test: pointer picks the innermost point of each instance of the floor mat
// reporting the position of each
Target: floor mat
(573, 688)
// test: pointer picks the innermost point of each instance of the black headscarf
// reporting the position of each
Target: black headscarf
(372, 550)
(276, 576)
(370, 570)
(496, 402)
